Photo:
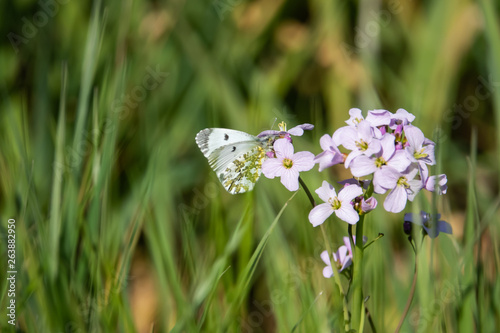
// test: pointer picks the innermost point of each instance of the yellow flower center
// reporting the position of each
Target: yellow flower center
(380, 161)
(362, 145)
(419, 154)
(287, 163)
(335, 203)
(402, 181)
(282, 126)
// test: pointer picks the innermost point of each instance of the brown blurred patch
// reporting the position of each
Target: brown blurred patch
(291, 35)
(155, 25)
(255, 16)
(143, 293)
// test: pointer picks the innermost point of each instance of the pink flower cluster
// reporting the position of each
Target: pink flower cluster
(390, 148)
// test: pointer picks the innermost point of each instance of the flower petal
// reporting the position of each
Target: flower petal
(327, 143)
(350, 192)
(283, 148)
(320, 213)
(388, 146)
(362, 166)
(328, 272)
(399, 161)
(355, 117)
(290, 179)
(272, 167)
(303, 161)
(299, 129)
(326, 191)
(347, 213)
(327, 159)
(395, 201)
(414, 136)
(325, 257)
(379, 117)
(346, 136)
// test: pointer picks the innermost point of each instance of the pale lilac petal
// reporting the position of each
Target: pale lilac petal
(328, 272)
(320, 213)
(327, 159)
(347, 243)
(430, 159)
(325, 257)
(411, 172)
(388, 147)
(442, 188)
(362, 166)
(368, 204)
(283, 148)
(379, 117)
(415, 187)
(350, 192)
(399, 161)
(386, 177)
(346, 136)
(343, 257)
(326, 191)
(303, 161)
(374, 147)
(299, 129)
(365, 131)
(290, 179)
(272, 167)
(327, 143)
(395, 201)
(347, 213)
(414, 136)
(352, 155)
(356, 116)
(404, 116)
(268, 133)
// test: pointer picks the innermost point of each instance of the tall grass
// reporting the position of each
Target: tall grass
(122, 226)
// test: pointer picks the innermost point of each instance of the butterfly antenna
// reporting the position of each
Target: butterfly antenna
(274, 122)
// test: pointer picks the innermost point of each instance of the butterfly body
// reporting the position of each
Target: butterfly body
(235, 156)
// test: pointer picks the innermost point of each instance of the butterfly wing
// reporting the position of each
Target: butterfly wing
(236, 157)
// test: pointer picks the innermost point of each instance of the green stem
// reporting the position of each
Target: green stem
(412, 293)
(309, 195)
(336, 274)
(358, 308)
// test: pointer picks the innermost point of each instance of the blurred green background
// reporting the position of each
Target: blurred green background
(121, 226)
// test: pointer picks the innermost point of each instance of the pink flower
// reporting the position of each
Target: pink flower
(330, 155)
(406, 188)
(284, 133)
(341, 258)
(440, 181)
(361, 140)
(287, 165)
(419, 149)
(340, 204)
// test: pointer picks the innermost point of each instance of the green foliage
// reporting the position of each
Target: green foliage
(120, 223)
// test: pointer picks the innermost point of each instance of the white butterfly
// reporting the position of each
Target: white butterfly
(235, 156)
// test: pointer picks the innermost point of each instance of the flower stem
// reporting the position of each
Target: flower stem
(336, 273)
(410, 296)
(309, 195)
(336, 277)
(358, 308)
